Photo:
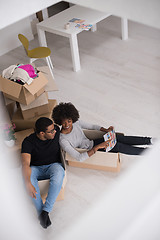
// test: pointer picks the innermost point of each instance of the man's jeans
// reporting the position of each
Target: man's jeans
(55, 173)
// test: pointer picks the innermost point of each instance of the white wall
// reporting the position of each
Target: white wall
(14, 19)
(143, 11)
(9, 35)
(15, 10)
(19, 221)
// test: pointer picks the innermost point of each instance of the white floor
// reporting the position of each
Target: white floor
(119, 85)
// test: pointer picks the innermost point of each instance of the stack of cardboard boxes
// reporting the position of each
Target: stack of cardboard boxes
(26, 103)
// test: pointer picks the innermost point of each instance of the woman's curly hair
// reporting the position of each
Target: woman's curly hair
(64, 111)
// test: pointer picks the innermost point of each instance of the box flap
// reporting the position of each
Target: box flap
(51, 85)
(37, 84)
(10, 87)
(40, 101)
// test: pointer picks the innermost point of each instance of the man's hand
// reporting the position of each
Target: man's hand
(31, 190)
(26, 159)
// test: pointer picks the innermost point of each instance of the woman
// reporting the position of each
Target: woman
(72, 136)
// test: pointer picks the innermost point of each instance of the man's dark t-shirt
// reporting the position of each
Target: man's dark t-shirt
(42, 152)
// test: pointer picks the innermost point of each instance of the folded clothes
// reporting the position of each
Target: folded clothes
(21, 74)
(7, 73)
(29, 69)
(18, 81)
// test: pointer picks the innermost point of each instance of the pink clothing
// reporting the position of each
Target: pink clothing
(29, 69)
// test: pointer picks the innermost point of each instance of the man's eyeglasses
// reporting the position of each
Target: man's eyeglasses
(52, 131)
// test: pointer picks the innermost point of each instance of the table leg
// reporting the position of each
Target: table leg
(75, 53)
(41, 37)
(124, 28)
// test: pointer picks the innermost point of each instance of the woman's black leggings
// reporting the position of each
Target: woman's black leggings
(125, 144)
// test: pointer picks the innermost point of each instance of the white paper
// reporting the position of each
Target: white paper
(112, 137)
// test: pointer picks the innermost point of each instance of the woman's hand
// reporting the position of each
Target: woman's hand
(106, 130)
(102, 145)
(110, 129)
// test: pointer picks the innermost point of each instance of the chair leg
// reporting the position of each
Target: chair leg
(48, 60)
(31, 60)
(49, 63)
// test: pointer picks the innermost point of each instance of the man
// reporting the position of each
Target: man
(41, 160)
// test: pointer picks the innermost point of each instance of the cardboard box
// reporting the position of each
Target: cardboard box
(20, 137)
(51, 85)
(22, 124)
(24, 94)
(10, 105)
(44, 186)
(100, 160)
(38, 107)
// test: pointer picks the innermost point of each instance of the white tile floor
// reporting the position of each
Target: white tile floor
(119, 85)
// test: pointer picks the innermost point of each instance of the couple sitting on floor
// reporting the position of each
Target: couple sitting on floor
(41, 152)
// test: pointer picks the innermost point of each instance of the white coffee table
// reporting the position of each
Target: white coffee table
(55, 24)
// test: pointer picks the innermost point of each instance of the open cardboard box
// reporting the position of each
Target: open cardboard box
(22, 124)
(24, 94)
(38, 107)
(100, 160)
